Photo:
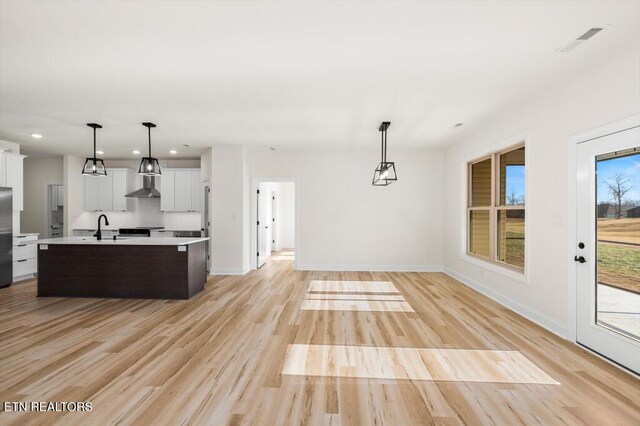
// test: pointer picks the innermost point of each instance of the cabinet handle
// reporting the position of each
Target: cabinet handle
(21, 245)
(21, 236)
(23, 260)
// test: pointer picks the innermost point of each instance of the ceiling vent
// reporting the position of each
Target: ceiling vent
(577, 42)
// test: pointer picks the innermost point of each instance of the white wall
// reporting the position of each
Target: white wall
(248, 234)
(603, 93)
(73, 191)
(285, 214)
(38, 173)
(205, 165)
(228, 228)
(345, 223)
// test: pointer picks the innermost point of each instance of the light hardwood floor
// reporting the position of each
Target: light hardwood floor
(219, 358)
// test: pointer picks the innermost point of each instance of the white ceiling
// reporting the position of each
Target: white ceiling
(283, 73)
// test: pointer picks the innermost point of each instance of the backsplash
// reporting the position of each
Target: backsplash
(147, 213)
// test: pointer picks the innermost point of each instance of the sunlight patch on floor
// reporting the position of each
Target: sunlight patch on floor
(352, 286)
(284, 254)
(282, 257)
(371, 296)
(455, 365)
(355, 305)
(354, 296)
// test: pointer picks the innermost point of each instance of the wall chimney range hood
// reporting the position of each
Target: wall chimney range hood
(148, 189)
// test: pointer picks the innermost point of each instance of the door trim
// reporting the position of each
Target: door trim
(571, 229)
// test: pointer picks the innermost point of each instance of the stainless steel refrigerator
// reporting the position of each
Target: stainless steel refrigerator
(6, 236)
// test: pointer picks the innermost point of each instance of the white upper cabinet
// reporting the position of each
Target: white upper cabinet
(105, 186)
(180, 190)
(108, 193)
(11, 175)
(60, 190)
(123, 183)
(92, 193)
(197, 192)
(56, 197)
(166, 186)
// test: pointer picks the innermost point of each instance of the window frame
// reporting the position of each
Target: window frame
(494, 209)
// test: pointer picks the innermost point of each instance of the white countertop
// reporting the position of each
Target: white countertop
(137, 241)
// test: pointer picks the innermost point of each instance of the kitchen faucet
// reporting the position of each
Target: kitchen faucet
(98, 234)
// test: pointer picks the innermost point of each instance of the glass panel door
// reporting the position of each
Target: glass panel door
(618, 247)
(608, 250)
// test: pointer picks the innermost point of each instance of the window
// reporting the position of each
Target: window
(496, 208)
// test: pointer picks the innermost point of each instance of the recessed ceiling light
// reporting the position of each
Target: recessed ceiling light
(36, 135)
(173, 151)
(458, 125)
(186, 145)
(100, 152)
(135, 151)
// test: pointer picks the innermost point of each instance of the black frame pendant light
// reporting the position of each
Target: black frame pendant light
(149, 166)
(385, 173)
(94, 166)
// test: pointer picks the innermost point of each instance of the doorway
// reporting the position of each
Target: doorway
(607, 246)
(275, 221)
(54, 211)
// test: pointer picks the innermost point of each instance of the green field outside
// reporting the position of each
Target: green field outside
(619, 253)
(619, 266)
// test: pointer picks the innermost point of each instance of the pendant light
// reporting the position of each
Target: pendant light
(385, 173)
(149, 166)
(94, 166)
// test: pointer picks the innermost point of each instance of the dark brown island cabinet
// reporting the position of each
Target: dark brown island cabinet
(133, 268)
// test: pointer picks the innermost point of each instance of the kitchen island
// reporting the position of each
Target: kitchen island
(126, 268)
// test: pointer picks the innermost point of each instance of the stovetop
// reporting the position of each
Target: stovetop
(140, 230)
(143, 228)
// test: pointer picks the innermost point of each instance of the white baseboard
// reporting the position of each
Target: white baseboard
(370, 268)
(542, 320)
(222, 271)
(20, 278)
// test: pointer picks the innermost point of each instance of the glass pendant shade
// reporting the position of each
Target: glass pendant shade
(94, 166)
(385, 173)
(149, 166)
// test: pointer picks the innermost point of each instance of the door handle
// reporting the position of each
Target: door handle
(580, 259)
